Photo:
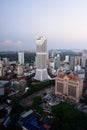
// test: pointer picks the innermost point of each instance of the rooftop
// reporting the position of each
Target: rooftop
(48, 97)
(3, 82)
(31, 123)
(25, 114)
(71, 76)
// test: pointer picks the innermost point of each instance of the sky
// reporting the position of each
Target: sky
(62, 22)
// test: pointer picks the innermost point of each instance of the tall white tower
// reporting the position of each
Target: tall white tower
(41, 59)
(21, 57)
(67, 58)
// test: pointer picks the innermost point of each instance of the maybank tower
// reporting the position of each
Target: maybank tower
(41, 59)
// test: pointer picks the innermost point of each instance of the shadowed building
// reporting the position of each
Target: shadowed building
(84, 57)
(85, 79)
(1, 70)
(77, 60)
(72, 63)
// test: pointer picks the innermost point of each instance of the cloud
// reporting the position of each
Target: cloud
(19, 42)
(7, 42)
(11, 45)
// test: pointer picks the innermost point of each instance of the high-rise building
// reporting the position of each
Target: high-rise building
(20, 70)
(41, 59)
(5, 61)
(67, 58)
(21, 57)
(77, 60)
(84, 57)
(72, 63)
(1, 70)
(52, 53)
(57, 62)
(85, 79)
(69, 87)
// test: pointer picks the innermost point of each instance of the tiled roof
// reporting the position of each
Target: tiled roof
(73, 77)
(70, 76)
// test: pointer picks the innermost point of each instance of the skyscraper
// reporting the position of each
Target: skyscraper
(41, 59)
(84, 57)
(85, 72)
(1, 70)
(77, 60)
(21, 57)
(67, 58)
(57, 62)
(72, 63)
(51, 53)
(20, 70)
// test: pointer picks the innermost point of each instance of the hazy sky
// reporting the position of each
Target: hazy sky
(63, 22)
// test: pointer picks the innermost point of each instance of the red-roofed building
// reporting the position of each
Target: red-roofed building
(69, 86)
(47, 127)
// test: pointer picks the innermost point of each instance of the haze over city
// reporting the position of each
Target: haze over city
(63, 22)
(43, 64)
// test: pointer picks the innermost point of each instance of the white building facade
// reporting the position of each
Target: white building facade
(41, 59)
(1, 70)
(21, 57)
(20, 70)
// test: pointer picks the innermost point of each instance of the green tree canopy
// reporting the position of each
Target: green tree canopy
(71, 118)
(37, 101)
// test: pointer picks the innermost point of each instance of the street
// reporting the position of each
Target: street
(28, 100)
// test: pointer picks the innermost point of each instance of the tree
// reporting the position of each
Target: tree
(71, 118)
(37, 101)
(84, 100)
(3, 113)
(29, 81)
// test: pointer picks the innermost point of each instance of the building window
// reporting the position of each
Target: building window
(59, 87)
(72, 91)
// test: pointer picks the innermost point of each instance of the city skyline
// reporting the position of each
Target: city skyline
(64, 24)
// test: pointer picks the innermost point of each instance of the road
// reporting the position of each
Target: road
(28, 100)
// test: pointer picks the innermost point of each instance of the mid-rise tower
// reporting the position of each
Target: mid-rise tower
(21, 57)
(84, 57)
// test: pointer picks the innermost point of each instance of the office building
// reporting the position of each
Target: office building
(41, 59)
(6, 61)
(52, 53)
(77, 60)
(77, 68)
(84, 57)
(85, 78)
(67, 58)
(57, 62)
(20, 70)
(72, 63)
(21, 57)
(1, 70)
(69, 87)
(4, 87)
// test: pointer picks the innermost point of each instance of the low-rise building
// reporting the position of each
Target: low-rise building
(4, 85)
(18, 86)
(30, 120)
(69, 87)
